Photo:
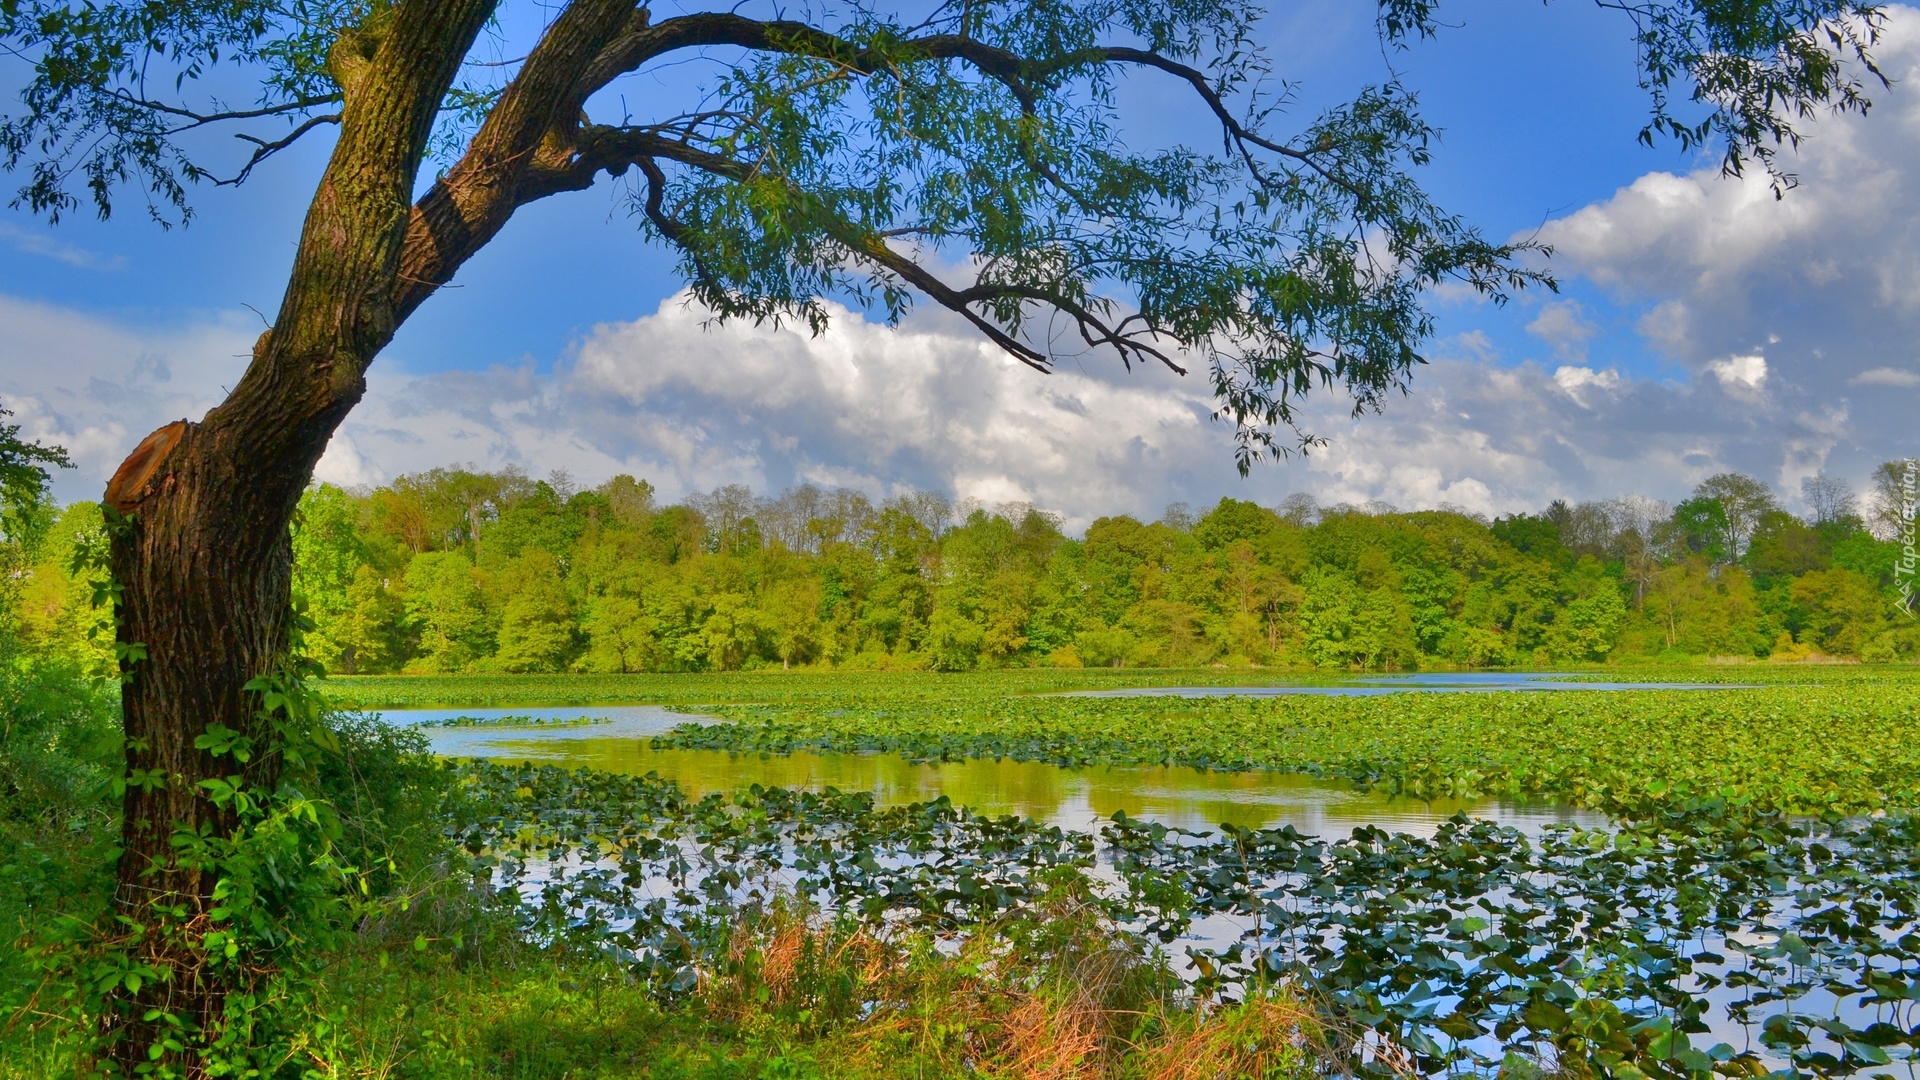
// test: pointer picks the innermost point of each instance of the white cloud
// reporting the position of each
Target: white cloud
(98, 388)
(1806, 298)
(1564, 325)
(1886, 376)
(1576, 382)
(929, 405)
(36, 242)
(1747, 373)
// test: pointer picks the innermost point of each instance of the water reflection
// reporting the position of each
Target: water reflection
(1072, 798)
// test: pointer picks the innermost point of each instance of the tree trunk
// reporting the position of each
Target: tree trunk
(204, 567)
(204, 562)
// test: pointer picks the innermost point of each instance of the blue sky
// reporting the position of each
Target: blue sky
(1700, 327)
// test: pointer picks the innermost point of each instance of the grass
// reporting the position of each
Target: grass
(801, 687)
(1055, 995)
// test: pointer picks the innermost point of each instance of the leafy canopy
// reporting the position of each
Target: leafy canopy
(24, 511)
(876, 154)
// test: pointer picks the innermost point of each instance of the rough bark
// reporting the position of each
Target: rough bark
(205, 560)
(205, 563)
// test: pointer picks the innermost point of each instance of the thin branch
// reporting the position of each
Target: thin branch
(200, 119)
(1237, 132)
(645, 42)
(266, 149)
(614, 149)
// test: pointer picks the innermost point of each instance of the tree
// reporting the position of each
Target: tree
(536, 620)
(1896, 488)
(445, 604)
(328, 551)
(1829, 498)
(1641, 537)
(25, 512)
(847, 154)
(1700, 527)
(1744, 502)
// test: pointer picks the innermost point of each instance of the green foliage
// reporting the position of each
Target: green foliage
(25, 511)
(444, 601)
(352, 831)
(515, 578)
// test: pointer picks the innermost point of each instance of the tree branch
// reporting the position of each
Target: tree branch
(200, 119)
(266, 149)
(532, 125)
(614, 149)
(647, 42)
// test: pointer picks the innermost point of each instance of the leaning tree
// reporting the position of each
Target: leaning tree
(962, 152)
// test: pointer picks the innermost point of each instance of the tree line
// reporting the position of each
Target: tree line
(456, 570)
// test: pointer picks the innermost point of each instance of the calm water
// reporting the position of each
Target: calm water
(1072, 798)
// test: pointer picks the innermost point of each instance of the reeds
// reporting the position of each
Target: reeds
(1056, 992)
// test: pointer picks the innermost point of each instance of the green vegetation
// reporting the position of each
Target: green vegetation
(450, 571)
(1842, 740)
(456, 573)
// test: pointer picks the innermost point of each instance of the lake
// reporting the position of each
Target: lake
(1074, 798)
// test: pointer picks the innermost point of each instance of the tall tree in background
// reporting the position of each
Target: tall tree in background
(1742, 502)
(1828, 498)
(848, 153)
(1896, 487)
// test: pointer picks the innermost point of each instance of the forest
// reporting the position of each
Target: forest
(456, 570)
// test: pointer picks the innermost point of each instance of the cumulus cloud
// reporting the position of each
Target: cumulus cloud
(1564, 325)
(1812, 299)
(930, 405)
(927, 405)
(1579, 383)
(1741, 373)
(97, 388)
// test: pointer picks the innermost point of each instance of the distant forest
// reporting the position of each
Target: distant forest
(463, 571)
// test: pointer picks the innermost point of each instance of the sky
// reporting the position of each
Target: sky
(1701, 324)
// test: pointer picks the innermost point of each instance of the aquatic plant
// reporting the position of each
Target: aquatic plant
(1845, 745)
(1707, 938)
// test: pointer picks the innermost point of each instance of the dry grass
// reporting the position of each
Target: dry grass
(1272, 1036)
(1058, 994)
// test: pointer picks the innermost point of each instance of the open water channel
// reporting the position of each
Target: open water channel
(1078, 799)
